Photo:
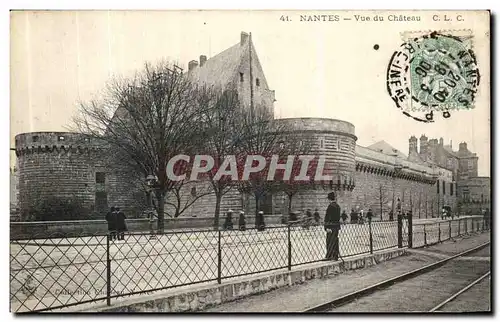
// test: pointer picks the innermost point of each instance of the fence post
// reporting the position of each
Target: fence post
(439, 231)
(425, 235)
(289, 249)
(219, 258)
(108, 272)
(400, 231)
(459, 220)
(449, 234)
(410, 231)
(371, 235)
(466, 224)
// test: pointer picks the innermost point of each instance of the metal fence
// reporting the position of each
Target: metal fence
(53, 273)
(426, 234)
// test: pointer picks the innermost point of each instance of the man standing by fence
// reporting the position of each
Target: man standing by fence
(332, 227)
(111, 219)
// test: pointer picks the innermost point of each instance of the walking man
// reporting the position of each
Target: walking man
(111, 219)
(121, 225)
(316, 216)
(332, 227)
(261, 225)
(369, 215)
(344, 216)
(487, 218)
(241, 221)
(354, 217)
(228, 222)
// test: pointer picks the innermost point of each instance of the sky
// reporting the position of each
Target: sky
(318, 69)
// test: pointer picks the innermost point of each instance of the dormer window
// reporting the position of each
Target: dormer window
(257, 82)
(241, 77)
(35, 138)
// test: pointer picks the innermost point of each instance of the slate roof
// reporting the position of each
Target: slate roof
(386, 148)
(220, 69)
(449, 149)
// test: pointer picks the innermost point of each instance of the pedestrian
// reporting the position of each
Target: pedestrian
(487, 218)
(332, 227)
(307, 219)
(344, 216)
(228, 222)
(111, 219)
(369, 215)
(361, 217)
(354, 217)
(121, 224)
(241, 221)
(261, 225)
(316, 215)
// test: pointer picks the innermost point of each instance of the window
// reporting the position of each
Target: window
(100, 177)
(87, 140)
(35, 138)
(321, 143)
(444, 188)
(336, 146)
(241, 77)
(193, 192)
(257, 82)
(438, 186)
(451, 189)
(60, 138)
(466, 195)
(471, 164)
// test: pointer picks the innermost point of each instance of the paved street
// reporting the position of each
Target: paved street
(52, 272)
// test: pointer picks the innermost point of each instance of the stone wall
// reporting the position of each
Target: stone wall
(54, 164)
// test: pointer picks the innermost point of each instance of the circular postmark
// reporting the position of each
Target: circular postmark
(433, 74)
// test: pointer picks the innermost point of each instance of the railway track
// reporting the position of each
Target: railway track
(372, 294)
(442, 305)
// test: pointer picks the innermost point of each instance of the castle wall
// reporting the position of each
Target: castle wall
(67, 166)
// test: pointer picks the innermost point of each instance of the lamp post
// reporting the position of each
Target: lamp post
(151, 183)
(397, 169)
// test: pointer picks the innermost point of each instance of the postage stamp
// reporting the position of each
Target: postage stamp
(433, 72)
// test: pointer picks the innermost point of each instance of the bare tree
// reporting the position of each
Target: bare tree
(293, 148)
(221, 135)
(144, 121)
(382, 199)
(181, 201)
(260, 135)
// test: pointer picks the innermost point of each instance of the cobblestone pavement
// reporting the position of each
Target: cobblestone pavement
(52, 272)
(314, 292)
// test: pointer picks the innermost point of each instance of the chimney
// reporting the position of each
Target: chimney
(244, 37)
(462, 146)
(192, 65)
(423, 146)
(451, 144)
(441, 141)
(203, 59)
(412, 145)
